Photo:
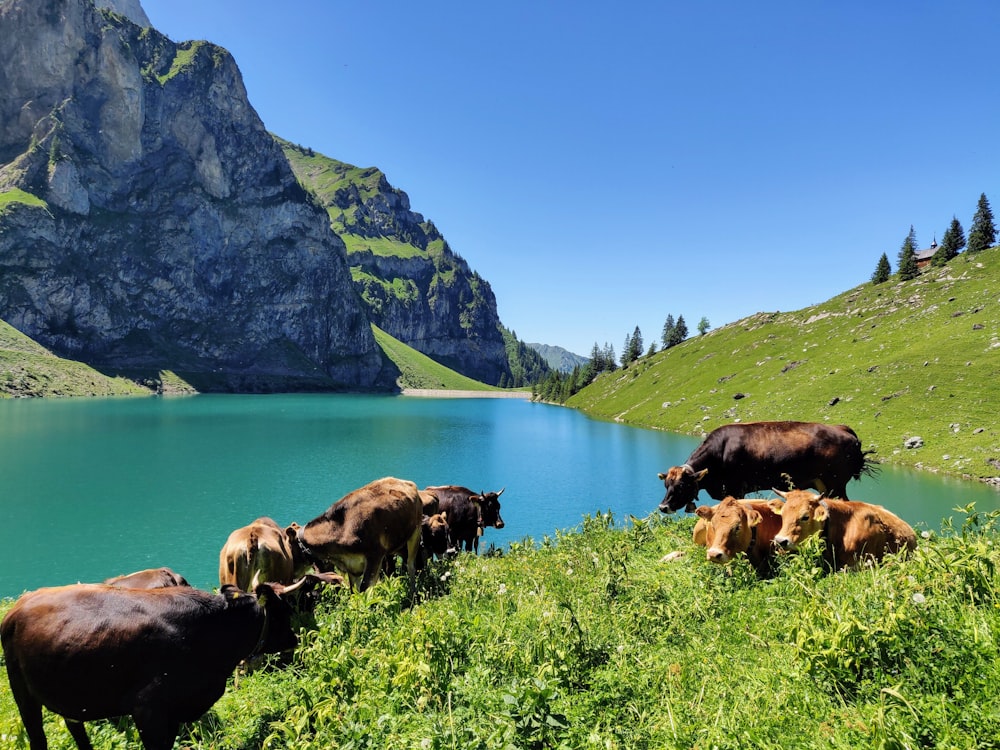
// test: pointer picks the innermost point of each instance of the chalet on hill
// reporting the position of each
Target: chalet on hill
(924, 256)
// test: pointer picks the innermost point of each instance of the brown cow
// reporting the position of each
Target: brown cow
(265, 550)
(737, 459)
(468, 514)
(151, 578)
(435, 538)
(163, 656)
(365, 526)
(735, 527)
(852, 531)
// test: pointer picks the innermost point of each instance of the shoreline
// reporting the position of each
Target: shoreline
(446, 393)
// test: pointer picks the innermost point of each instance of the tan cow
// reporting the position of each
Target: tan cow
(265, 550)
(735, 527)
(151, 578)
(360, 530)
(852, 531)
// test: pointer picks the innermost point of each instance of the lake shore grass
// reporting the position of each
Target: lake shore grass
(589, 639)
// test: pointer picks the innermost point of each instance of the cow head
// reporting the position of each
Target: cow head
(434, 535)
(802, 515)
(489, 508)
(682, 488)
(729, 529)
(277, 634)
(430, 502)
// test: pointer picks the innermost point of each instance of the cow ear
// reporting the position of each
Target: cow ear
(776, 506)
(705, 511)
(821, 513)
(753, 517)
(700, 475)
(661, 476)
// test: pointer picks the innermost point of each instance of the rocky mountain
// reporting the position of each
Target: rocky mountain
(149, 220)
(558, 358)
(417, 289)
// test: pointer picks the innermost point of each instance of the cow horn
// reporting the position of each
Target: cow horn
(779, 493)
(500, 492)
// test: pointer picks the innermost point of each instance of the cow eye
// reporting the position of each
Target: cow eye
(805, 517)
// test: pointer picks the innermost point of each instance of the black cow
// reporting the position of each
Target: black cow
(163, 655)
(468, 514)
(737, 459)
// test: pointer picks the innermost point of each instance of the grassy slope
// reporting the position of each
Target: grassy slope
(28, 369)
(417, 370)
(592, 641)
(893, 361)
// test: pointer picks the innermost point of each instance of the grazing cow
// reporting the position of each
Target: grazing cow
(737, 459)
(152, 578)
(262, 549)
(360, 530)
(93, 651)
(468, 514)
(852, 531)
(435, 539)
(735, 527)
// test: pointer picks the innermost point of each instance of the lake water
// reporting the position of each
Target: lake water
(95, 488)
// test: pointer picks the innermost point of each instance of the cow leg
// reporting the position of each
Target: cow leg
(79, 733)
(373, 567)
(412, 552)
(29, 708)
(156, 731)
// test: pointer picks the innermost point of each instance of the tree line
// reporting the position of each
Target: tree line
(559, 386)
(982, 235)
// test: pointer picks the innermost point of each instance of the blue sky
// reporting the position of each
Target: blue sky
(604, 165)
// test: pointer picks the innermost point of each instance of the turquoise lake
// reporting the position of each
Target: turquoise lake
(95, 488)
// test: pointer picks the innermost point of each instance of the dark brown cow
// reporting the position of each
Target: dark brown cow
(152, 578)
(263, 550)
(735, 527)
(852, 531)
(737, 459)
(93, 651)
(360, 530)
(468, 514)
(435, 537)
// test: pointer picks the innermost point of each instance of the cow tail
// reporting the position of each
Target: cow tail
(869, 465)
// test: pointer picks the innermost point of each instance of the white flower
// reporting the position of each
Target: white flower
(919, 598)
(569, 571)
(503, 589)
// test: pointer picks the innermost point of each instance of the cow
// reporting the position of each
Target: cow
(737, 459)
(265, 550)
(152, 578)
(735, 527)
(435, 538)
(163, 656)
(360, 530)
(432, 506)
(852, 531)
(468, 514)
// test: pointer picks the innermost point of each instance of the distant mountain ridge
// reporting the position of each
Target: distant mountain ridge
(558, 358)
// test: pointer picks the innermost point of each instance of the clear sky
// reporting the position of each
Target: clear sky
(604, 165)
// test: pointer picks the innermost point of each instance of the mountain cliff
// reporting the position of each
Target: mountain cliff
(417, 289)
(147, 218)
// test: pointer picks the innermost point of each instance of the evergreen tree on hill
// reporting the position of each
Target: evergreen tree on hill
(908, 257)
(951, 244)
(882, 271)
(680, 331)
(668, 331)
(983, 232)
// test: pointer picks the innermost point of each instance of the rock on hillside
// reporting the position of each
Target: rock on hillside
(171, 231)
(417, 289)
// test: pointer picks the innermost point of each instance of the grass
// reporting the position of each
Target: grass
(15, 196)
(417, 370)
(918, 358)
(588, 639)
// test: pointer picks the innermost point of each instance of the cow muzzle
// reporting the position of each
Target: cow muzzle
(784, 542)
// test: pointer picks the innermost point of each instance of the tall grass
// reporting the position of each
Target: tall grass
(588, 639)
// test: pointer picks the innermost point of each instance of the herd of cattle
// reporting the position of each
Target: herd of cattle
(150, 646)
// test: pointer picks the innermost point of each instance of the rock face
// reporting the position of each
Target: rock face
(173, 232)
(417, 289)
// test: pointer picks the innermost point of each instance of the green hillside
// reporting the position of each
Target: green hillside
(894, 361)
(417, 370)
(28, 369)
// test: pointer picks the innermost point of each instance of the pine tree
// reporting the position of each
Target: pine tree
(882, 271)
(951, 244)
(668, 331)
(635, 350)
(983, 232)
(908, 257)
(680, 331)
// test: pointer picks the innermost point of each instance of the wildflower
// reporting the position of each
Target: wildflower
(925, 534)
(919, 598)
(569, 571)
(503, 589)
